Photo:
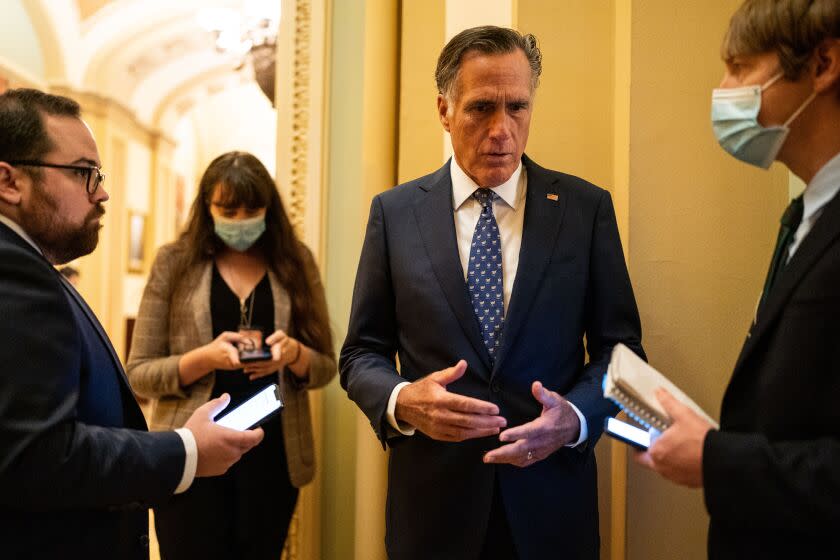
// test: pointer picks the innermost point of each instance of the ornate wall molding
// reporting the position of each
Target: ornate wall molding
(300, 114)
(300, 87)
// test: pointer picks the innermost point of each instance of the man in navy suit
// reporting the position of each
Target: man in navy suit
(771, 474)
(483, 278)
(78, 469)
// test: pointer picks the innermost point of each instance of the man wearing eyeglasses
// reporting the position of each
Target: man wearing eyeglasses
(78, 468)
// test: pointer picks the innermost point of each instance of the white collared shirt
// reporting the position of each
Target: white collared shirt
(509, 210)
(819, 192)
(13, 225)
(190, 447)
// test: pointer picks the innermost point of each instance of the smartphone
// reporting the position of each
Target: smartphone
(251, 347)
(254, 411)
(622, 431)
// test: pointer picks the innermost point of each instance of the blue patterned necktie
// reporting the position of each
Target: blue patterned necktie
(484, 274)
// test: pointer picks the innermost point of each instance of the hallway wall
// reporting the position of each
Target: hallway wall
(362, 163)
(702, 229)
(623, 102)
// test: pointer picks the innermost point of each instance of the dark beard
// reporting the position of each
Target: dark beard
(60, 242)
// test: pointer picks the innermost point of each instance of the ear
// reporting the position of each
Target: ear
(827, 66)
(9, 187)
(443, 110)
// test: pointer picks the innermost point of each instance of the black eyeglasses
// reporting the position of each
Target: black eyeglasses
(85, 171)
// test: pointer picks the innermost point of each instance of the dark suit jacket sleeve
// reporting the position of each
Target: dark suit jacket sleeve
(367, 363)
(753, 483)
(49, 459)
(611, 317)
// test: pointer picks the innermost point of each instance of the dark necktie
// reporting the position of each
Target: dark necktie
(484, 274)
(790, 223)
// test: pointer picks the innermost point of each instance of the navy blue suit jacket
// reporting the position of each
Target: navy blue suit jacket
(78, 469)
(411, 301)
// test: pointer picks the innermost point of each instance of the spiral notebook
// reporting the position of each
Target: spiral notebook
(631, 383)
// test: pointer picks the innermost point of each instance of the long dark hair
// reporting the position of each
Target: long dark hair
(246, 182)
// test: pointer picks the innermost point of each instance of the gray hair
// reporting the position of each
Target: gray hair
(487, 39)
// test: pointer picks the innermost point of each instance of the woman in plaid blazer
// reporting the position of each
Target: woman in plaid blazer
(237, 269)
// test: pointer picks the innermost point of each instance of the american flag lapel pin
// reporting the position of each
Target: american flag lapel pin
(552, 196)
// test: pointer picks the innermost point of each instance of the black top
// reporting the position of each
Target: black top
(224, 312)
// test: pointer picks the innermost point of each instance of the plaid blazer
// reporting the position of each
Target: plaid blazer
(174, 318)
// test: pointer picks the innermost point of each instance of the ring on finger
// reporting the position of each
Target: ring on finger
(530, 455)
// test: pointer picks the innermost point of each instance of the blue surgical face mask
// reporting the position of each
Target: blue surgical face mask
(736, 126)
(239, 235)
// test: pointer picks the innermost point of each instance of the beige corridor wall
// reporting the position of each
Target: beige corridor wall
(572, 131)
(343, 242)
(572, 124)
(702, 228)
(420, 131)
(362, 162)
(624, 103)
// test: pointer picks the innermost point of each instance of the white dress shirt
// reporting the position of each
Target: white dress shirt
(190, 448)
(509, 211)
(822, 188)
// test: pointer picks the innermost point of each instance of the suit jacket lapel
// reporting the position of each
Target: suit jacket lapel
(434, 214)
(824, 232)
(129, 404)
(543, 218)
(133, 415)
(97, 326)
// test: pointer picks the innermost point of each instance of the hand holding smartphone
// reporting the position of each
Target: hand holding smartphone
(629, 434)
(254, 411)
(251, 347)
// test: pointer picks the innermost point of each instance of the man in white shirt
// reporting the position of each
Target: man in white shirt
(78, 468)
(771, 474)
(483, 278)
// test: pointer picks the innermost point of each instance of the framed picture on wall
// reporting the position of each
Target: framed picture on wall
(136, 241)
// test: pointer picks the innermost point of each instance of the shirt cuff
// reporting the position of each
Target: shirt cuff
(584, 431)
(190, 459)
(390, 414)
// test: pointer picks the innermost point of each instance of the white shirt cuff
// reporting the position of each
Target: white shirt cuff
(190, 460)
(584, 431)
(390, 414)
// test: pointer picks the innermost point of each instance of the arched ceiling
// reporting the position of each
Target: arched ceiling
(152, 56)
